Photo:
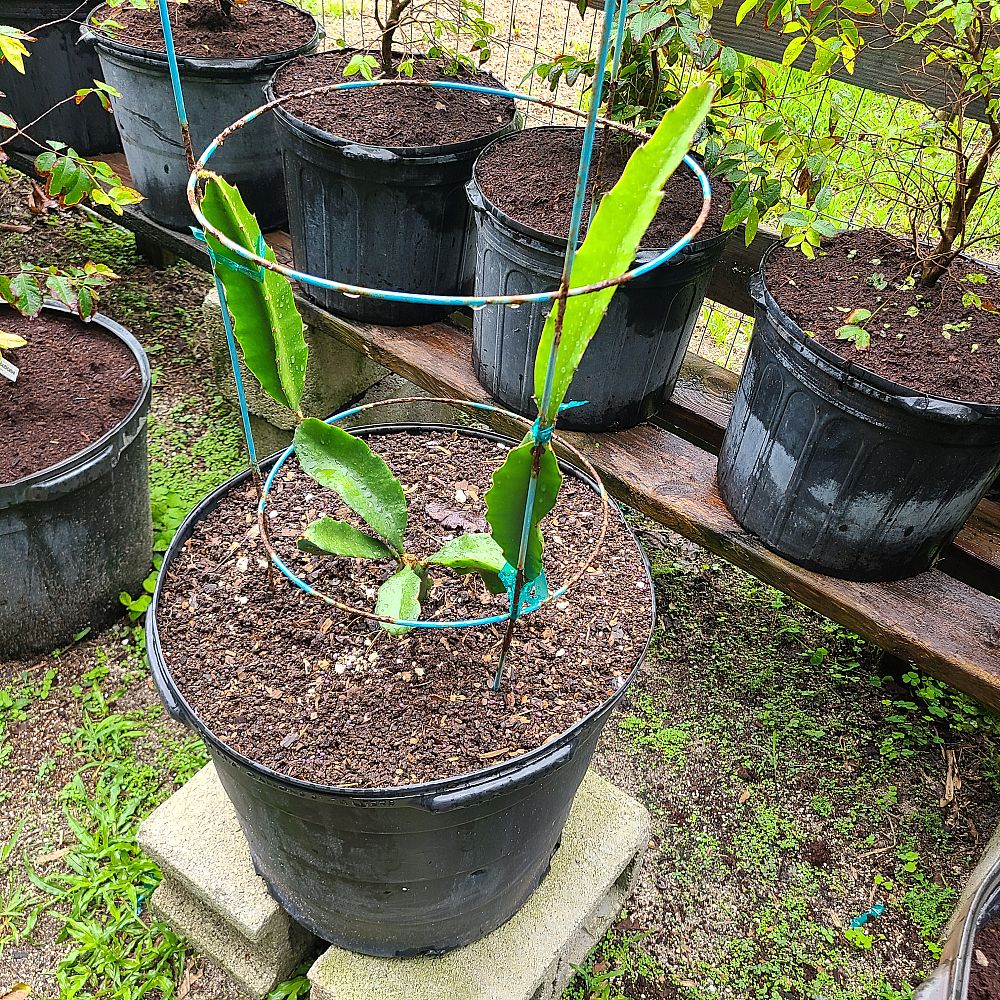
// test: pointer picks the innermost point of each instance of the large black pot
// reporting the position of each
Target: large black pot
(388, 218)
(57, 68)
(216, 93)
(843, 471)
(397, 871)
(75, 535)
(635, 357)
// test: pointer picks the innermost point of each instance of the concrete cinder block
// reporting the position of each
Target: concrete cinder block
(335, 374)
(531, 956)
(211, 893)
(256, 967)
(196, 840)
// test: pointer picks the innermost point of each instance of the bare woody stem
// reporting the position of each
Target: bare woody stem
(970, 168)
(397, 8)
(968, 190)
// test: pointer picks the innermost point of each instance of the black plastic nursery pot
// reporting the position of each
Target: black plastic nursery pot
(635, 357)
(217, 92)
(843, 471)
(75, 535)
(57, 68)
(393, 218)
(398, 871)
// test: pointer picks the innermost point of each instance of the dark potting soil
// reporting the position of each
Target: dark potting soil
(923, 338)
(323, 696)
(531, 176)
(256, 28)
(984, 979)
(76, 383)
(397, 117)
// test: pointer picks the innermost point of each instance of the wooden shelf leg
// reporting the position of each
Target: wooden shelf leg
(153, 252)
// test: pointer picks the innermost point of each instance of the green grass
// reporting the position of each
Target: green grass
(647, 728)
(788, 776)
(124, 763)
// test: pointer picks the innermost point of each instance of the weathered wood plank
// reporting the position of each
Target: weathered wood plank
(437, 357)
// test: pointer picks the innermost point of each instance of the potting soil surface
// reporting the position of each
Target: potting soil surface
(201, 30)
(935, 340)
(532, 177)
(314, 693)
(394, 116)
(76, 382)
(984, 977)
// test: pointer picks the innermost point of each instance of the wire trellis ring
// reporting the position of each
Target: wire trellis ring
(307, 588)
(201, 172)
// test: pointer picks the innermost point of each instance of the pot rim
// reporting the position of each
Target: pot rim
(942, 408)
(16, 491)
(699, 243)
(983, 907)
(324, 138)
(417, 791)
(228, 64)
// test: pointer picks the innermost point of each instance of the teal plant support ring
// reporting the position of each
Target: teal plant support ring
(528, 605)
(452, 301)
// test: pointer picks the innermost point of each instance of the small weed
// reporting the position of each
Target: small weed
(822, 806)
(648, 728)
(296, 987)
(617, 962)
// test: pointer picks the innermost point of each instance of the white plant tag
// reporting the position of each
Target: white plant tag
(8, 370)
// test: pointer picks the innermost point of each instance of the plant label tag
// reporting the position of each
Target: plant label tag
(8, 370)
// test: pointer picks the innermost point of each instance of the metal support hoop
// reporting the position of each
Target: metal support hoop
(454, 301)
(294, 578)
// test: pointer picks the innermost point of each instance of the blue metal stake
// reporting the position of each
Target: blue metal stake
(234, 360)
(583, 175)
(182, 120)
(175, 82)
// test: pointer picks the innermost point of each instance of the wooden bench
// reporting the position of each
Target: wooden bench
(947, 621)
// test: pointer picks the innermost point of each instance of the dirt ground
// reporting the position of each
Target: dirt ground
(797, 781)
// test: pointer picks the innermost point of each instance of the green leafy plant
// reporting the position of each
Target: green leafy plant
(441, 30)
(70, 180)
(269, 331)
(853, 329)
(937, 167)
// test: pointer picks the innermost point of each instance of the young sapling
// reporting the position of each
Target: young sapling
(434, 28)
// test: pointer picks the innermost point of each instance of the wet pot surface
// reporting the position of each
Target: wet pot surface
(523, 190)
(842, 470)
(59, 66)
(463, 806)
(75, 527)
(225, 83)
(356, 159)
